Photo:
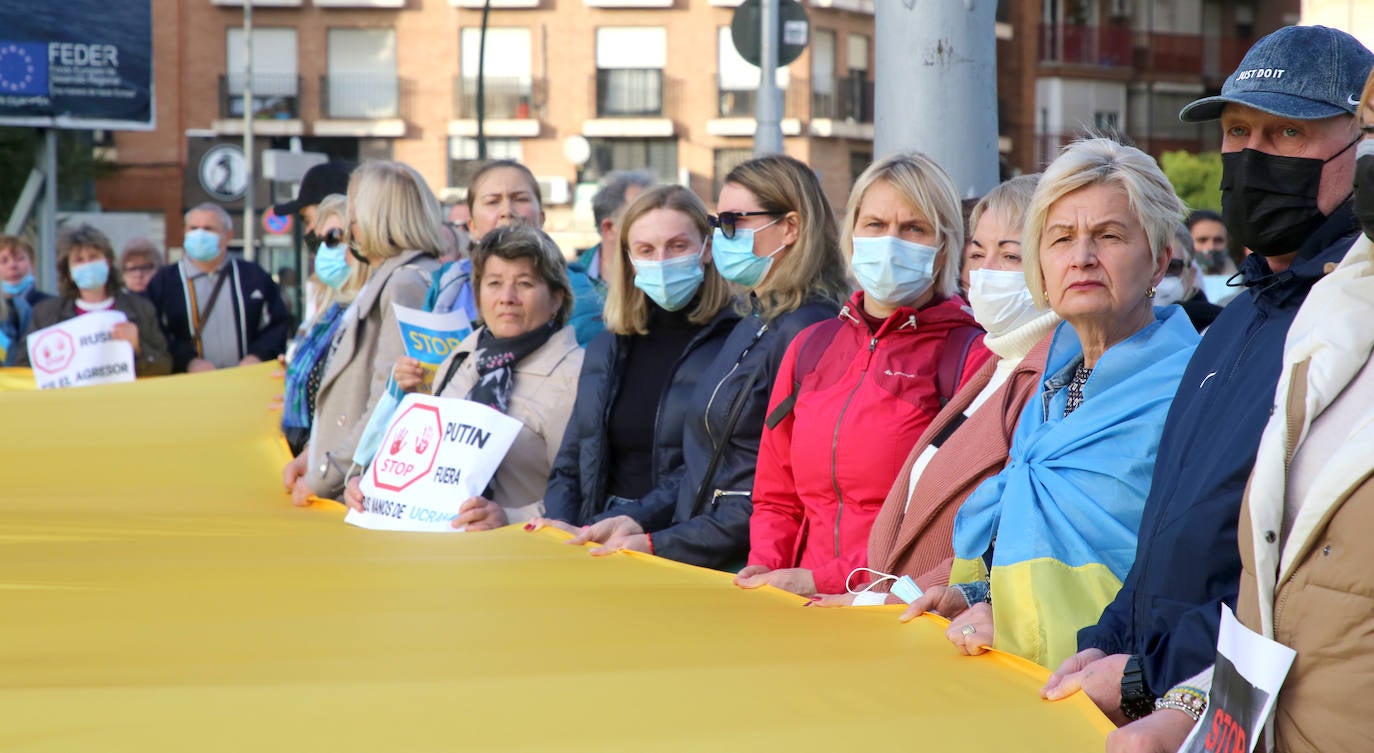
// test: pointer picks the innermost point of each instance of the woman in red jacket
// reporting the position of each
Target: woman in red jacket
(855, 392)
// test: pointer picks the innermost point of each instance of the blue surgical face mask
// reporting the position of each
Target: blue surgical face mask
(670, 283)
(18, 288)
(735, 259)
(92, 275)
(201, 245)
(331, 265)
(892, 270)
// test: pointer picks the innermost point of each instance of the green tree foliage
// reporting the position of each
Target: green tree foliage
(77, 167)
(1196, 178)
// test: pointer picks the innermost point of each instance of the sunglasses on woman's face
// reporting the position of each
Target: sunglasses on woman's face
(726, 220)
(332, 237)
(1175, 268)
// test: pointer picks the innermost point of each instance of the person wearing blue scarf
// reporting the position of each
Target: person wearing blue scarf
(337, 280)
(19, 296)
(1044, 545)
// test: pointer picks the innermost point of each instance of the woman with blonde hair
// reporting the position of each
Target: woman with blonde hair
(668, 312)
(393, 228)
(338, 277)
(897, 352)
(1041, 547)
(774, 234)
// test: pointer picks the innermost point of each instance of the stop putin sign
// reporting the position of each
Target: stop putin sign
(408, 451)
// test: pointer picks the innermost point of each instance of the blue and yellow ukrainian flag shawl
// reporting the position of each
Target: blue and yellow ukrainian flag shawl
(1062, 518)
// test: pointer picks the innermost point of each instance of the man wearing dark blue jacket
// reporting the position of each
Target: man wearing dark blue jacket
(217, 311)
(1288, 158)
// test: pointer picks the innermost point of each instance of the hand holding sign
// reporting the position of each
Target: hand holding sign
(128, 332)
(436, 458)
(85, 350)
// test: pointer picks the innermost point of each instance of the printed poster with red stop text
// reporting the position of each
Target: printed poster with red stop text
(437, 453)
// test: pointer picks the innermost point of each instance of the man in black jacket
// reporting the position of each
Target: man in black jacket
(1288, 159)
(217, 311)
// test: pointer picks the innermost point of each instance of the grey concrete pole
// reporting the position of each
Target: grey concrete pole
(249, 252)
(936, 86)
(768, 104)
(47, 236)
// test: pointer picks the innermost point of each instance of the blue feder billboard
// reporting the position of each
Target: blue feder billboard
(76, 64)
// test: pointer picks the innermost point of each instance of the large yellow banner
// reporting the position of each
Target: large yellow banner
(158, 592)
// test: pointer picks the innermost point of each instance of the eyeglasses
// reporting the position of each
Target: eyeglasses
(726, 220)
(142, 269)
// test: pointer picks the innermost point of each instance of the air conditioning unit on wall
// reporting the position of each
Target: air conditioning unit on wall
(555, 190)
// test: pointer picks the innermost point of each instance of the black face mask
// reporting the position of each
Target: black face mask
(1270, 202)
(1364, 188)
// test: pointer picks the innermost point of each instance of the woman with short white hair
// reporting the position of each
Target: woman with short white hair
(1044, 545)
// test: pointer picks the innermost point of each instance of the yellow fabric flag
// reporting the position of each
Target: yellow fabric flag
(160, 592)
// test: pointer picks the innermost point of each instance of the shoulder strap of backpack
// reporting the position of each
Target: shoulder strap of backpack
(812, 348)
(448, 375)
(957, 346)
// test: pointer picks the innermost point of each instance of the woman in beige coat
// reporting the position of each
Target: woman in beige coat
(393, 226)
(523, 361)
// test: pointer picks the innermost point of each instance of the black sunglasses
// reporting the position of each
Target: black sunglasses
(726, 220)
(332, 237)
(1175, 268)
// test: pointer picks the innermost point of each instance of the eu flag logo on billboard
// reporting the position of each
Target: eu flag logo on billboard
(23, 68)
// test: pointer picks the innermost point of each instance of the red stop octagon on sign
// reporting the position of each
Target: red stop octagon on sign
(408, 451)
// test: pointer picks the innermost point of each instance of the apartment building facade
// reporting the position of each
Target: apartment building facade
(653, 84)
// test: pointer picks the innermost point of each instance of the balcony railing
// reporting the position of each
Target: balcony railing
(739, 103)
(507, 98)
(275, 96)
(1085, 45)
(362, 97)
(634, 93)
(1169, 53)
(849, 99)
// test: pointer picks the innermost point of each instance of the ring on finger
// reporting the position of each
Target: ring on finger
(968, 630)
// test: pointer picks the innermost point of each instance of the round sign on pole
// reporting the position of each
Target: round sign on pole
(794, 31)
(276, 224)
(223, 172)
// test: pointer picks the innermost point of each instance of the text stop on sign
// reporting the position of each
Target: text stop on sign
(409, 449)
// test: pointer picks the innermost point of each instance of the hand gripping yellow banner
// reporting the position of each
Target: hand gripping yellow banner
(158, 592)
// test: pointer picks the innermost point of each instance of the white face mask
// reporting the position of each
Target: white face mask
(1169, 290)
(1000, 300)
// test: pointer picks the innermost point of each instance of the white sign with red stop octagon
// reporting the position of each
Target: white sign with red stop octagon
(436, 453)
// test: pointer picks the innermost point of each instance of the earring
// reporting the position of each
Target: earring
(1149, 292)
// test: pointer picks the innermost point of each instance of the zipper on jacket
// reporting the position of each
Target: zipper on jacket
(718, 493)
(835, 442)
(706, 414)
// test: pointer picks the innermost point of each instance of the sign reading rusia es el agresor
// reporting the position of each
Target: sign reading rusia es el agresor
(76, 64)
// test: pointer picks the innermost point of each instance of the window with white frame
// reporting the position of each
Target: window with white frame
(629, 71)
(508, 79)
(362, 80)
(275, 83)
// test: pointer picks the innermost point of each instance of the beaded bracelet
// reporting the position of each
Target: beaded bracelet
(1190, 701)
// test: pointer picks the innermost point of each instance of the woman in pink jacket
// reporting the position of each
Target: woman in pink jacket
(854, 393)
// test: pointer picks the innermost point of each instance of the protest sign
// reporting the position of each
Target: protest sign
(1246, 678)
(430, 338)
(436, 453)
(81, 351)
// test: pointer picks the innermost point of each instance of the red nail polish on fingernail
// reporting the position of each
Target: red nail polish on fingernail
(815, 598)
(529, 526)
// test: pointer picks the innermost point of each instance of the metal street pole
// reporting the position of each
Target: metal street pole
(47, 247)
(936, 87)
(768, 104)
(482, 84)
(249, 252)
